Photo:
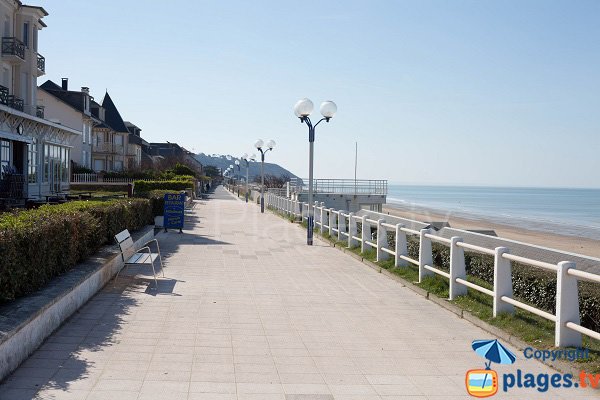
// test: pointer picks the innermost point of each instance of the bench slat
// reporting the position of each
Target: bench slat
(142, 258)
(121, 236)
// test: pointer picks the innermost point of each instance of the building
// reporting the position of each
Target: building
(134, 147)
(70, 108)
(34, 152)
(171, 153)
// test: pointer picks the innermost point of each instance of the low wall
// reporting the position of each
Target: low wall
(25, 323)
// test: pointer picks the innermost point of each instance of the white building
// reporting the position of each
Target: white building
(34, 152)
(70, 108)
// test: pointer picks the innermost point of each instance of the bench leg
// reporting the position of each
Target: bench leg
(154, 272)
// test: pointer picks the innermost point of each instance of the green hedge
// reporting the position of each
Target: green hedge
(530, 285)
(37, 245)
(181, 183)
(157, 200)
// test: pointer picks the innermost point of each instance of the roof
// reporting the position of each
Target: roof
(72, 98)
(112, 116)
(135, 139)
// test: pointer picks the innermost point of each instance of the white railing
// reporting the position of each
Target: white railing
(99, 179)
(344, 226)
(341, 186)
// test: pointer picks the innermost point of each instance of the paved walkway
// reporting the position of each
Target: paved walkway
(248, 311)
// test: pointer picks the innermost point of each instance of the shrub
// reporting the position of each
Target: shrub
(37, 245)
(530, 285)
(157, 200)
(177, 185)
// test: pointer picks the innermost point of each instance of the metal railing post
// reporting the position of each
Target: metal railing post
(382, 241)
(365, 233)
(332, 224)
(567, 307)
(425, 254)
(322, 218)
(341, 225)
(457, 268)
(401, 247)
(502, 282)
(352, 231)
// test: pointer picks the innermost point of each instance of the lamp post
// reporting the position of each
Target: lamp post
(247, 160)
(259, 146)
(303, 108)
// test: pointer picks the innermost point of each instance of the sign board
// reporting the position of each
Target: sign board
(173, 211)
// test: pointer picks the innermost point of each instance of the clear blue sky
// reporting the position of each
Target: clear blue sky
(435, 92)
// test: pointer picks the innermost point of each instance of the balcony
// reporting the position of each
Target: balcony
(132, 150)
(41, 65)
(39, 111)
(15, 102)
(107, 148)
(13, 50)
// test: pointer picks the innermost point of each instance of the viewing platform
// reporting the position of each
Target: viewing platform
(248, 311)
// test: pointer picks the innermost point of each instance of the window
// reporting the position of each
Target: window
(35, 39)
(26, 34)
(98, 165)
(4, 155)
(118, 165)
(119, 140)
(32, 172)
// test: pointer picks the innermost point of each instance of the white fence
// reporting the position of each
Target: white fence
(100, 179)
(96, 178)
(343, 225)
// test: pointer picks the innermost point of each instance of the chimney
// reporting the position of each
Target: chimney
(65, 83)
(85, 89)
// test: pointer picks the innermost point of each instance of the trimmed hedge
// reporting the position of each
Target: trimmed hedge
(530, 285)
(38, 245)
(181, 183)
(157, 200)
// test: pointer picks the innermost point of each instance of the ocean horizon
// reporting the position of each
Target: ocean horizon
(567, 211)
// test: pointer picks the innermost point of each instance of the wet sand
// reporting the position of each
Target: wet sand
(573, 244)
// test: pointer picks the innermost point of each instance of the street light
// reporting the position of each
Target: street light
(303, 108)
(259, 146)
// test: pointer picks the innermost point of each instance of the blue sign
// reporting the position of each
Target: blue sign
(173, 212)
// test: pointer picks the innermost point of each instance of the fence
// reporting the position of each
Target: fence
(100, 179)
(344, 226)
(341, 186)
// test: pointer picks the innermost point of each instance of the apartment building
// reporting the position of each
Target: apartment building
(70, 108)
(110, 137)
(34, 152)
(134, 148)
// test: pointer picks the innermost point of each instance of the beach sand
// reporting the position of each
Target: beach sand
(573, 244)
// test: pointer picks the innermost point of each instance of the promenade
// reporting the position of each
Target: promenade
(248, 311)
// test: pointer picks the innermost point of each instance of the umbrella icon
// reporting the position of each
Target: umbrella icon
(493, 351)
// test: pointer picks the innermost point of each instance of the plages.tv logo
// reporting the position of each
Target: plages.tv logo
(484, 382)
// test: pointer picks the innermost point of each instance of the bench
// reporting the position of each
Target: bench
(144, 255)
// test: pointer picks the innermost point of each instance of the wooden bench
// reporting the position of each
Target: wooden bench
(143, 255)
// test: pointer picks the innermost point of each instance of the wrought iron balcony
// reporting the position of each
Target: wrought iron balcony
(13, 48)
(39, 111)
(15, 102)
(41, 64)
(3, 95)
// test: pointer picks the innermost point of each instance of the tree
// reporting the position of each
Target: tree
(211, 171)
(272, 181)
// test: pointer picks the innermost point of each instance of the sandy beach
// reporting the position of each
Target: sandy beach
(573, 244)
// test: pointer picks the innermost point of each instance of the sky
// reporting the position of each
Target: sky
(494, 93)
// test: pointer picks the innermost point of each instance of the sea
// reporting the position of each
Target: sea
(573, 212)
